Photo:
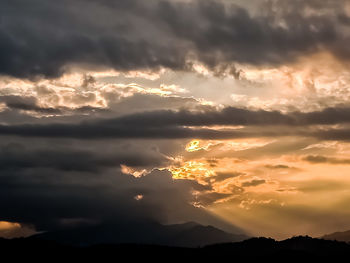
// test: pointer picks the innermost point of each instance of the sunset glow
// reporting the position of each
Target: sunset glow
(234, 114)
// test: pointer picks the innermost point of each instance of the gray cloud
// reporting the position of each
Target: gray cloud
(177, 124)
(48, 199)
(16, 157)
(20, 109)
(277, 167)
(42, 38)
(97, 131)
(318, 159)
(209, 198)
(48, 183)
(43, 199)
(26, 104)
(223, 176)
(239, 116)
(254, 182)
(61, 173)
(341, 134)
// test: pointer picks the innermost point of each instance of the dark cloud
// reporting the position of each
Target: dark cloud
(50, 199)
(341, 134)
(220, 176)
(147, 102)
(318, 159)
(17, 157)
(254, 182)
(278, 166)
(235, 116)
(22, 109)
(168, 124)
(210, 198)
(43, 38)
(44, 199)
(148, 114)
(51, 184)
(97, 131)
(26, 104)
(55, 178)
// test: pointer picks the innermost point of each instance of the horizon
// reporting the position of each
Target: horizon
(10, 231)
(227, 113)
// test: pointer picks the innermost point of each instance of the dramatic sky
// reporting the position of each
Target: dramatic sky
(226, 112)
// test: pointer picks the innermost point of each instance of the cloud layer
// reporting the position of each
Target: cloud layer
(174, 111)
(46, 38)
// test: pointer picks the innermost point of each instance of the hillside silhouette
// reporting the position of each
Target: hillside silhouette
(189, 234)
(338, 236)
(296, 249)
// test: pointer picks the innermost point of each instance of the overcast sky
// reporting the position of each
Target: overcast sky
(222, 112)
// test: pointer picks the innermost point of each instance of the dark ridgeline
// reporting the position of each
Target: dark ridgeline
(189, 234)
(339, 236)
(296, 249)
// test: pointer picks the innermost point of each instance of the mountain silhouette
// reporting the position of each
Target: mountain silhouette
(188, 234)
(296, 249)
(339, 236)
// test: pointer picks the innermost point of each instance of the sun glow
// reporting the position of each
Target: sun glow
(4, 225)
(129, 170)
(197, 145)
(193, 170)
(193, 146)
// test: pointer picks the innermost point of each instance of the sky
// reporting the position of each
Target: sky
(224, 112)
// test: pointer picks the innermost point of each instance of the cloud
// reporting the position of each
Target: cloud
(24, 109)
(54, 197)
(278, 166)
(97, 131)
(319, 159)
(49, 184)
(340, 134)
(72, 147)
(16, 157)
(189, 124)
(212, 197)
(221, 176)
(254, 182)
(235, 116)
(48, 200)
(45, 38)
(27, 104)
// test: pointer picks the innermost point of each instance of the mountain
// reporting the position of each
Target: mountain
(181, 235)
(339, 236)
(296, 249)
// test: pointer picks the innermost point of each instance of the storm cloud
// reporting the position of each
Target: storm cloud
(170, 111)
(45, 38)
(52, 187)
(168, 124)
(17, 157)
